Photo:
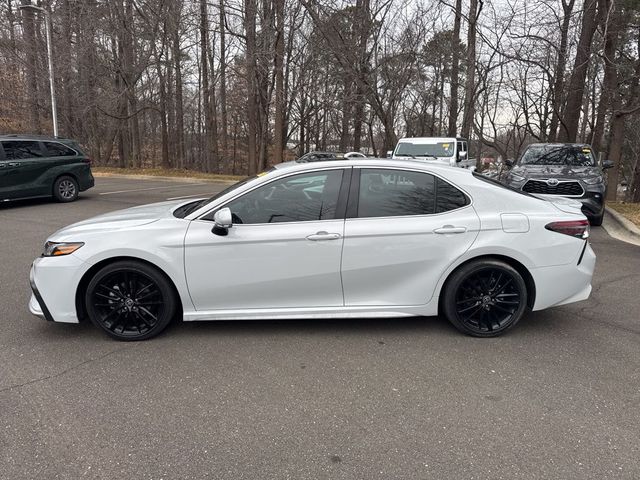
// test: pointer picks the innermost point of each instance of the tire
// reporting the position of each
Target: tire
(130, 300)
(65, 189)
(596, 221)
(485, 298)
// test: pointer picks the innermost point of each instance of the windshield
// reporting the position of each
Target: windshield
(192, 207)
(558, 155)
(441, 149)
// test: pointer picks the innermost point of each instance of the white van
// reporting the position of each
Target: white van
(445, 150)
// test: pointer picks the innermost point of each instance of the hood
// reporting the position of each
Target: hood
(556, 171)
(121, 219)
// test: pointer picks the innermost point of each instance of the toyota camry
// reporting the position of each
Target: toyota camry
(331, 239)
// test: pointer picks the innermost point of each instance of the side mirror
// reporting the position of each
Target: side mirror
(509, 163)
(389, 153)
(223, 221)
(607, 164)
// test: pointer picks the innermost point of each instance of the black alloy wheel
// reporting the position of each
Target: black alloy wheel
(485, 298)
(65, 189)
(130, 300)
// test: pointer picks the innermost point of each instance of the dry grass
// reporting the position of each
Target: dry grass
(163, 172)
(630, 210)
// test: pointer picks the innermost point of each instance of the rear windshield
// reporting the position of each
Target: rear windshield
(576, 156)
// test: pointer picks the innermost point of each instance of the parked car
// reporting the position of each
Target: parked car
(37, 166)
(562, 169)
(336, 239)
(450, 151)
(321, 156)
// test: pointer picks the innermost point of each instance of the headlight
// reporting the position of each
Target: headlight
(57, 249)
(593, 180)
(516, 178)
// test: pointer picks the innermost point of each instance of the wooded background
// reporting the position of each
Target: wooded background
(231, 86)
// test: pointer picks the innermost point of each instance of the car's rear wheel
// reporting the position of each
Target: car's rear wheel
(485, 298)
(130, 300)
(65, 189)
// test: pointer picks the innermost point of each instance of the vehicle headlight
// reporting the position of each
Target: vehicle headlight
(57, 249)
(516, 178)
(593, 180)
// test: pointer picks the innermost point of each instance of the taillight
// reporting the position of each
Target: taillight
(573, 228)
(87, 161)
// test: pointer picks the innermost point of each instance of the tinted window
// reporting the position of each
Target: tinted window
(388, 193)
(298, 198)
(448, 197)
(16, 150)
(55, 149)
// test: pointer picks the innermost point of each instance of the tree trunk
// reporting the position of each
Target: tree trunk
(278, 132)
(561, 64)
(224, 123)
(569, 128)
(469, 89)
(29, 38)
(177, 62)
(455, 67)
(611, 24)
(250, 32)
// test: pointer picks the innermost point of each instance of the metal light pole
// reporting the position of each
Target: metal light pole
(47, 25)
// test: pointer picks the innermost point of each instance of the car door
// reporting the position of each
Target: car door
(403, 229)
(20, 168)
(283, 250)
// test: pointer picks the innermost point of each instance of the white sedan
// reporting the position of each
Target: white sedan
(346, 238)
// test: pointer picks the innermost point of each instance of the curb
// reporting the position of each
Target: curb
(162, 179)
(619, 227)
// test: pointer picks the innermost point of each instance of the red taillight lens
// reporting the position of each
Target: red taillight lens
(574, 228)
(87, 161)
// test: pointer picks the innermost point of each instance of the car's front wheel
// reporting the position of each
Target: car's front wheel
(485, 298)
(130, 300)
(65, 189)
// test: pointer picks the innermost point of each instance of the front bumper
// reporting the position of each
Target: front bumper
(54, 282)
(36, 304)
(592, 203)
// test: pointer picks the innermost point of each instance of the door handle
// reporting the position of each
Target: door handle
(450, 229)
(13, 164)
(319, 236)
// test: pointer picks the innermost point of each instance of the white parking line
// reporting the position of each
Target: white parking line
(186, 196)
(152, 188)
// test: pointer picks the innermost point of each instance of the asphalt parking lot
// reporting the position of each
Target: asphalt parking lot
(558, 397)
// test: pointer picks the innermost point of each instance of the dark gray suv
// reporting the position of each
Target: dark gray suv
(563, 169)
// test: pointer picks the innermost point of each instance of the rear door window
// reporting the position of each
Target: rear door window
(21, 149)
(55, 149)
(391, 193)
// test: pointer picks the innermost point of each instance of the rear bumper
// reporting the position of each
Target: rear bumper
(86, 182)
(562, 284)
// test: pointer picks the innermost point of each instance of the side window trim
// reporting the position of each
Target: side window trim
(346, 175)
(354, 192)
